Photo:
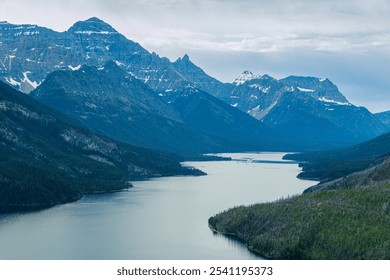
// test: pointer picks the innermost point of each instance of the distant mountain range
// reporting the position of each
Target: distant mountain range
(310, 112)
(295, 113)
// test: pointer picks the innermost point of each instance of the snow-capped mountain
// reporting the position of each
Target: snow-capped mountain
(28, 53)
(244, 77)
(308, 111)
(294, 106)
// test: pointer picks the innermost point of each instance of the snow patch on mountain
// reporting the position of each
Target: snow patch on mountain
(305, 89)
(11, 81)
(326, 100)
(259, 114)
(74, 68)
(34, 84)
(261, 88)
(94, 32)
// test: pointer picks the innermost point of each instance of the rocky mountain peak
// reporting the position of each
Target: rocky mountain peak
(92, 26)
(318, 88)
(245, 76)
(184, 61)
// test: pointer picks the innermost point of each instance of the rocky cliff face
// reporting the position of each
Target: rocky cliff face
(28, 53)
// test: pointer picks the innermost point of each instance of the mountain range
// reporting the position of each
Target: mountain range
(296, 113)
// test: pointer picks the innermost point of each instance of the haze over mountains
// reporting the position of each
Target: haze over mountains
(180, 108)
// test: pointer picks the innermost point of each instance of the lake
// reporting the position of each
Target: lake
(162, 218)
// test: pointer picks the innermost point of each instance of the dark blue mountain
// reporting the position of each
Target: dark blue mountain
(114, 103)
(310, 112)
(48, 158)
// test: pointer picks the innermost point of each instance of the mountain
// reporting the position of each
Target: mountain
(317, 88)
(384, 117)
(28, 53)
(114, 103)
(323, 117)
(319, 123)
(308, 111)
(93, 43)
(48, 158)
(330, 165)
(200, 79)
(378, 174)
(214, 117)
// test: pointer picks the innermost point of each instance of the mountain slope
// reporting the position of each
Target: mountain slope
(384, 117)
(28, 53)
(114, 103)
(199, 78)
(329, 225)
(48, 158)
(311, 112)
(213, 117)
(343, 219)
(334, 164)
(325, 125)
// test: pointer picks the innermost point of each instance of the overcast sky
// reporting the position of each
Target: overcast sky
(346, 41)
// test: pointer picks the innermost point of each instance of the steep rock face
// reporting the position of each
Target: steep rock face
(318, 88)
(114, 103)
(310, 112)
(48, 158)
(28, 53)
(199, 78)
(308, 120)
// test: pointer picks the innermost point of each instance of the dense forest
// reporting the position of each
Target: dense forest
(347, 218)
(48, 158)
(342, 224)
(329, 165)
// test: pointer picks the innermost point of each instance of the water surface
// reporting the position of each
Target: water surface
(163, 218)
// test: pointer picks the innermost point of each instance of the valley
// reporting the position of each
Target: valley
(88, 111)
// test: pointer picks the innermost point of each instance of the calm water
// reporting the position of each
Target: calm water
(164, 218)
